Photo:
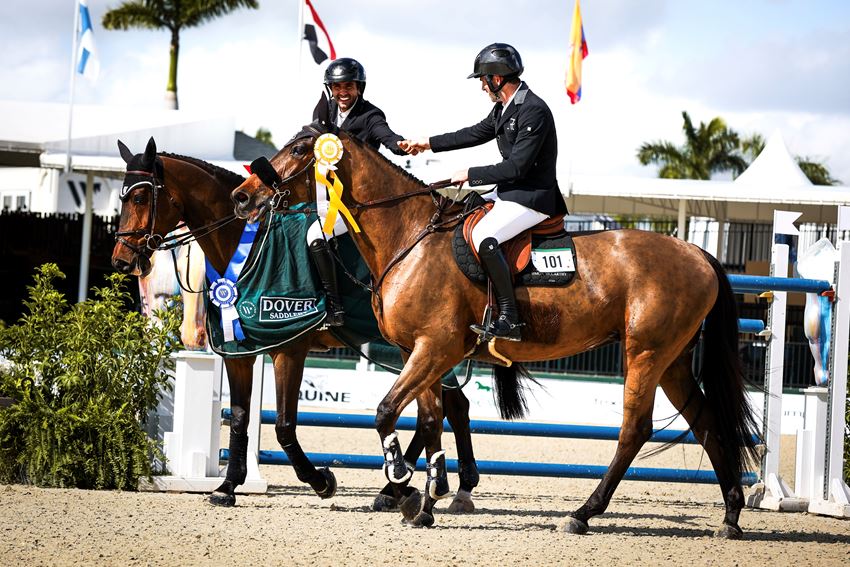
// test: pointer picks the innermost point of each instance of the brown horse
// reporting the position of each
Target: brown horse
(649, 291)
(159, 191)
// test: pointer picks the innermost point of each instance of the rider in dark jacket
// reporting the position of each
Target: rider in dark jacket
(527, 191)
(345, 81)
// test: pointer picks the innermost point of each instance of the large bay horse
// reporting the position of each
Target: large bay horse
(648, 291)
(159, 191)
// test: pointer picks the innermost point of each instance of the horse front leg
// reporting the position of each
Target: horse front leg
(430, 421)
(386, 500)
(240, 373)
(420, 374)
(288, 373)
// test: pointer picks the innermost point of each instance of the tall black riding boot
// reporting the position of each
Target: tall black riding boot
(327, 273)
(507, 326)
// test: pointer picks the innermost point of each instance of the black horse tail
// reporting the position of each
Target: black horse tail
(723, 380)
(510, 392)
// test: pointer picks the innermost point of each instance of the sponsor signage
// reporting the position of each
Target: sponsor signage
(286, 308)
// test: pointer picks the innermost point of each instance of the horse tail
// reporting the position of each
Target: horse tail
(509, 391)
(723, 380)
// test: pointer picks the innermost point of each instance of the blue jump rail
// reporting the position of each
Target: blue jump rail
(515, 468)
(756, 284)
(556, 430)
(750, 326)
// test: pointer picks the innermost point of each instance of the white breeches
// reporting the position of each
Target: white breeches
(315, 230)
(504, 221)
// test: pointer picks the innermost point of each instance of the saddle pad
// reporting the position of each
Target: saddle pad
(280, 296)
(553, 250)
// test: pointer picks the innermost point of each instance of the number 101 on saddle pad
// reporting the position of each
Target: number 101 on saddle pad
(554, 261)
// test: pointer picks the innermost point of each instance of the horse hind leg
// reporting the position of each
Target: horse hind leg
(684, 393)
(638, 401)
(289, 372)
(456, 407)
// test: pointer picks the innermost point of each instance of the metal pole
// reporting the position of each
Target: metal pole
(85, 248)
(73, 83)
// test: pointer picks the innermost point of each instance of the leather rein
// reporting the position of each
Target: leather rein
(435, 223)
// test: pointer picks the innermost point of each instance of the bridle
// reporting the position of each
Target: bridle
(153, 241)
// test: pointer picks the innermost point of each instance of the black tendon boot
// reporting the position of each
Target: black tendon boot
(507, 325)
(325, 265)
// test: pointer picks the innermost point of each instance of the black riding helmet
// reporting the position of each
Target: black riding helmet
(346, 69)
(497, 59)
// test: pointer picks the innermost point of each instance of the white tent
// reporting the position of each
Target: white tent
(773, 181)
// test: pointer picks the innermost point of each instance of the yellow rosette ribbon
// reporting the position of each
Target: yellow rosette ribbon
(328, 151)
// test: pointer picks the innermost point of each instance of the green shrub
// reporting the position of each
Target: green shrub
(83, 379)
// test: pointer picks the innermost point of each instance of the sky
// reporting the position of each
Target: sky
(761, 65)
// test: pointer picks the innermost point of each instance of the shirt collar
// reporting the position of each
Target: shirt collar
(341, 116)
(510, 100)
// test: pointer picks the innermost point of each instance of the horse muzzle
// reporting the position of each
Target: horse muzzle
(139, 265)
(249, 205)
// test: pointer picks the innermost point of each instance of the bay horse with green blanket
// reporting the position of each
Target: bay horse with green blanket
(650, 292)
(159, 191)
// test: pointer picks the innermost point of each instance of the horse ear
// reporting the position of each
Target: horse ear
(150, 151)
(322, 112)
(125, 152)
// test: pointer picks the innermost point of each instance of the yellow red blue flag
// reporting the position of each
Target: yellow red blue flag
(578, 51)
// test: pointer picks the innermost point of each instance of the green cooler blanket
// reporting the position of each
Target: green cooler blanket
(281, 298)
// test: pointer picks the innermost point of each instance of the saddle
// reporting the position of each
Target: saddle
(549, 236)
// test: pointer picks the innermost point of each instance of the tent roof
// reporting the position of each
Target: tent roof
(773, 181)
(35, 135)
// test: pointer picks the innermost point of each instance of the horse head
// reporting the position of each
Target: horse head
(146, 217)
(274, 184)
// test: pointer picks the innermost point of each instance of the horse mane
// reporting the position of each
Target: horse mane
(319, 128)
(394, 166)
(212, 169)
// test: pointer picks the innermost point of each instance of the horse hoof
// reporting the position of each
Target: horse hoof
(461, 506)
(330, 484)
(422, 520)
(410, 504)
(222, 499)
(729, 531)
(574, 526)
(384, 503)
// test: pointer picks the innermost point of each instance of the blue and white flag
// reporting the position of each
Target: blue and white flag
(88, 64)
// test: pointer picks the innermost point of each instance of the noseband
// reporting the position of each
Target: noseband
(279, 202)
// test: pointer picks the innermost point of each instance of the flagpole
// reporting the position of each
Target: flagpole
(73, 84)
(300, 34)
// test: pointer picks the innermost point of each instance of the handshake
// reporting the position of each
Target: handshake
(415, 147)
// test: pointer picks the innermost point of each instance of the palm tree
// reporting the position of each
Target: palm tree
(711, 148)
(172, 15)
(816, 171)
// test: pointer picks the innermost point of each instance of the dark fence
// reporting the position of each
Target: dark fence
(28, 240)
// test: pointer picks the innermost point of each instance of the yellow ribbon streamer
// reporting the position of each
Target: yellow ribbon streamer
(335, 200)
